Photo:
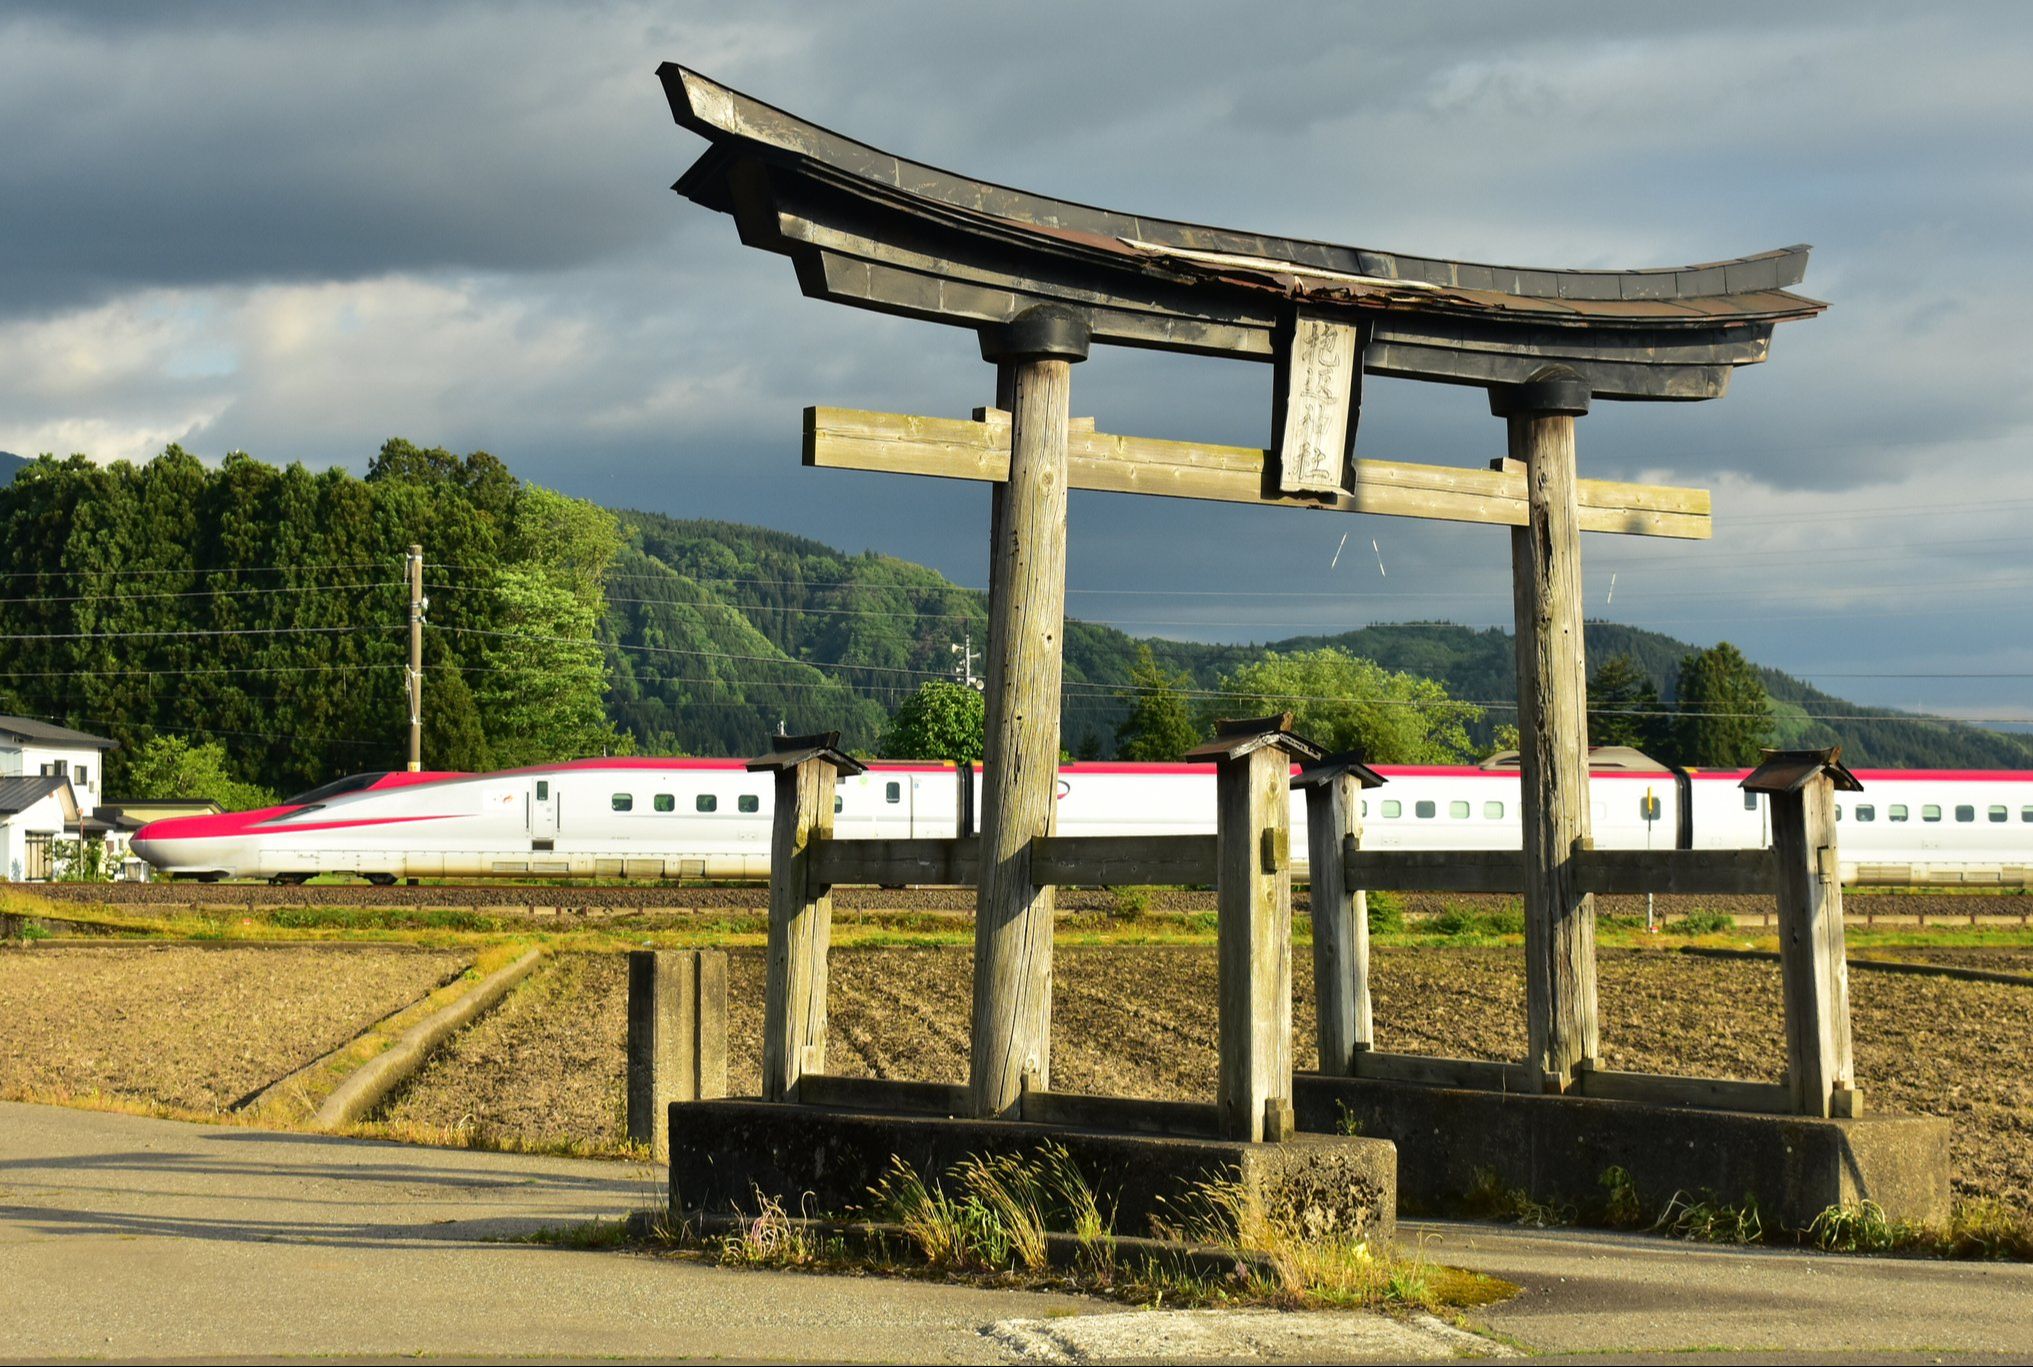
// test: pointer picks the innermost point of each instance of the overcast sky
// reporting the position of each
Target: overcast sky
(299, 230)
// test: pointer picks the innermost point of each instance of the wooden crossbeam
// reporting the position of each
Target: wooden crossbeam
(961, 448)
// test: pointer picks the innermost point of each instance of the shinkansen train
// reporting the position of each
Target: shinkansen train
(710, 819)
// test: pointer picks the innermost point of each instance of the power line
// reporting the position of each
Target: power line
(215, 569)
(203, 593)
(213, 631)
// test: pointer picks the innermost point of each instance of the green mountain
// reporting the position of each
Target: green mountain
(717, 632)
(9, 463)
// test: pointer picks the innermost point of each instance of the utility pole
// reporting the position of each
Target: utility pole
(417, 604)
(963, 662)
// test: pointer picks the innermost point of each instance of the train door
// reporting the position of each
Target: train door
(543, 810)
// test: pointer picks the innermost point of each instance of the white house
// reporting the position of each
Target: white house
(35, 812)
(51, 778)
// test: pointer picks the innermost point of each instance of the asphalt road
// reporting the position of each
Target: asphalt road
(125, 1237)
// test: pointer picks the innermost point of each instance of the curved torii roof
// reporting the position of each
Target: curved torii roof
(869, 228)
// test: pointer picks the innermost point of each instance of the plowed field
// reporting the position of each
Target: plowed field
(1140, 1021)
(196, 1029)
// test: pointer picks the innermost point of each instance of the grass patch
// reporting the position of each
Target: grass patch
(1702, 923)
(1489, 1199)
(1035, 1221)
(1706, 1220)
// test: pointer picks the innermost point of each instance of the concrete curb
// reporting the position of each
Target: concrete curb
(379, 1076)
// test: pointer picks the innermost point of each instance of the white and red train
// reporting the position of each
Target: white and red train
(710, 819)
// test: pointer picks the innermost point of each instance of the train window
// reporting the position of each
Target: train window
(1392, 807)
(1364, 806)
(748, 802)
(543, 790)
(1896, 812)
(622, 802)
(1965, 812)
(1930, 812)
(893, 792)
(706, 802)
(1838, 811)
(664, 802)
(1458, 810)
(1999, 814)
(1866, 812)
(1424, 810)
(1648, 807)
(1750, 801)
(1493, 811)
(838, 803)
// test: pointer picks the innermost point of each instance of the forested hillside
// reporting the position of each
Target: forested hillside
(9, 463)
(889, 624)
(264, 608)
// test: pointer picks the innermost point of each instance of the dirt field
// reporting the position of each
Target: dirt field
(1141, 1021)
(192, 1028)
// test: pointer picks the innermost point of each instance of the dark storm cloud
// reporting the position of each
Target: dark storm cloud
(297, 229)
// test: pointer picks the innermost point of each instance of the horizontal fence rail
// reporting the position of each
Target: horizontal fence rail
(1104, 860)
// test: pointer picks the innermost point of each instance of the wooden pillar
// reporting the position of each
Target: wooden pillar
(1253, 932)
(677, 1037)
(1560, 1004)
(1801, 788)
(1012, 1017)
(1333, 791)
(807, 770)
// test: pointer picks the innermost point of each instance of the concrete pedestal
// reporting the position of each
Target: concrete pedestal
(1556, 1148)
(825, 1161)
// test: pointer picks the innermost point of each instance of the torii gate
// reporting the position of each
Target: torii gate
(1040, 280)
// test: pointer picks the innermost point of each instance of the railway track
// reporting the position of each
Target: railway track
(601, 900)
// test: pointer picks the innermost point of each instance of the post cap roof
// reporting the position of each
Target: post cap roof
(1235, 738)
(1325, 770)
(1788, 771)
(788, 752)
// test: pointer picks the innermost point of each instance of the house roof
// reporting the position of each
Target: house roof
(20, 793)
(48, 733)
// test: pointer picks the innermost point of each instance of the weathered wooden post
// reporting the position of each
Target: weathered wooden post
(800, 908)
(1560, 1006)
(1801, 786)
(1253, 881)
(1012, 1019)
(677, 1037)
(1333, 790)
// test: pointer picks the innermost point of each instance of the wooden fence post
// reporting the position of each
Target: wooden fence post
(1801, 786)
(1011, 1026)
(1560, 1002)
(1253, 862)
(807, 768)
(1333, 790)
(677, 1037)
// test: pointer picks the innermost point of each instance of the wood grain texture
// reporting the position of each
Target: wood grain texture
(1253, 941)
(800, 930)
(1813, 969)
(1560, 999)
(1012, 1013)
(1711, 872)
(956, 448)
(1340, 923)
(1434, 870)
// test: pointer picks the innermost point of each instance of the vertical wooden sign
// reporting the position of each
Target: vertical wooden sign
(1317, 375)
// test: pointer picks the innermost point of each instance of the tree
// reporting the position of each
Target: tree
(1725, 715)
(1160, 725)
(1623, 706)
(544, 693)
(942, 720)
(1342, 702)
(171, 767)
